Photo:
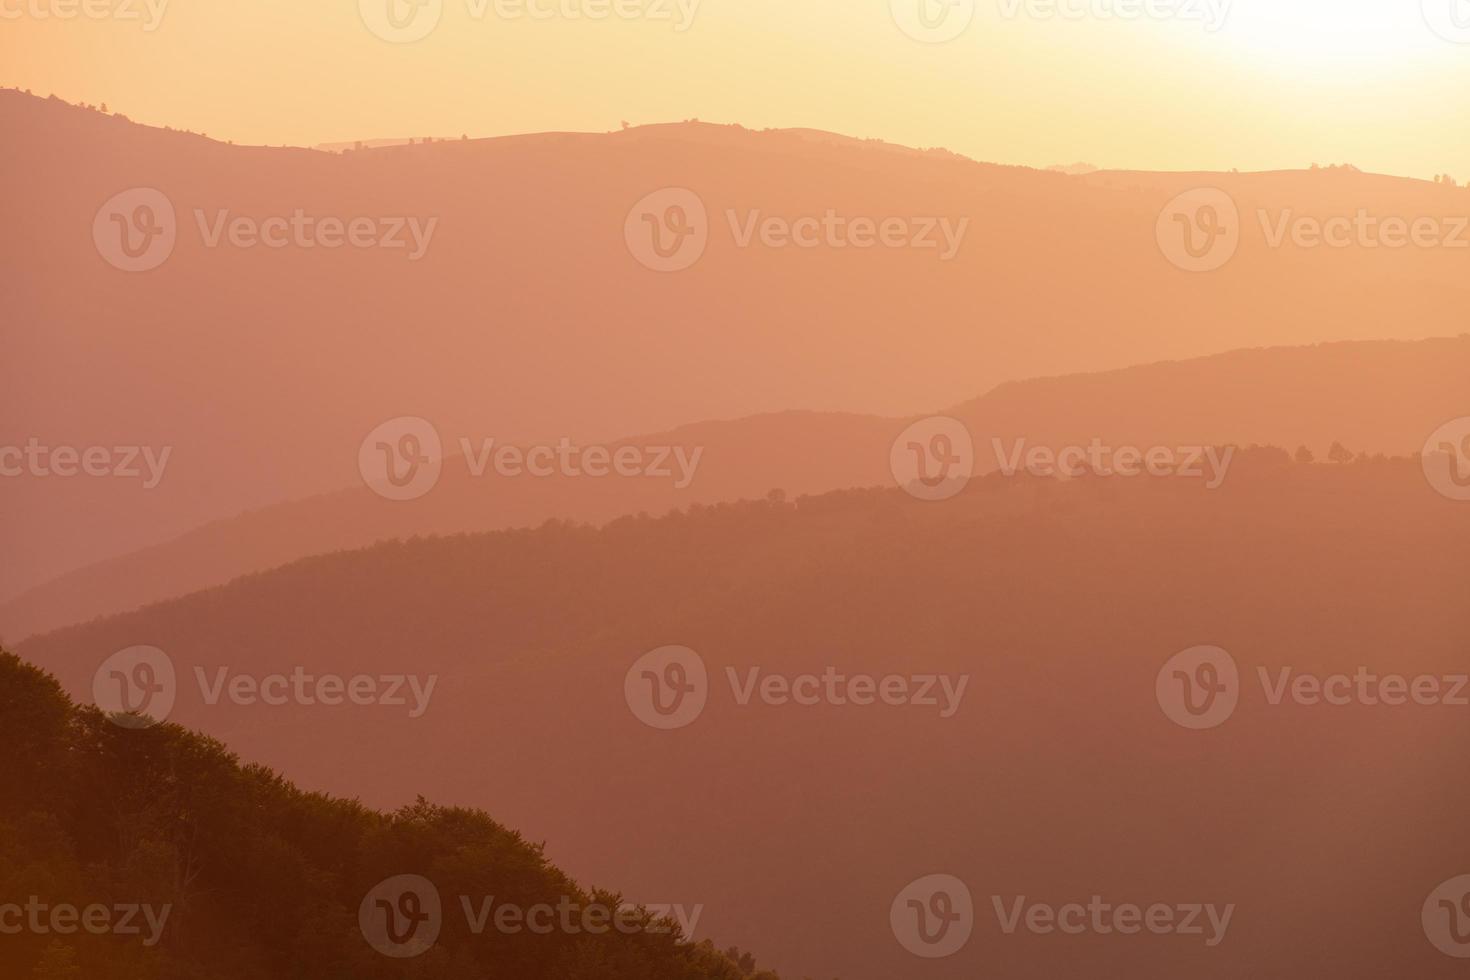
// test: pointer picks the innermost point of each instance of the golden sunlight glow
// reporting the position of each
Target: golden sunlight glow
(1187, 84)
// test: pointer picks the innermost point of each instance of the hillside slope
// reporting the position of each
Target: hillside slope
(1057, 777)
(241, 875)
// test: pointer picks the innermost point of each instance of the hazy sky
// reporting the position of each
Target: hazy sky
(1189, 84)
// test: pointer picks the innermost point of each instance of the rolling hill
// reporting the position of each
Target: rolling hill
(1053, 607)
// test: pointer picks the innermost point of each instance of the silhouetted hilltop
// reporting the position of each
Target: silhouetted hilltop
(241, 875)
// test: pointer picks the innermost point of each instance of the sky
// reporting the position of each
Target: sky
(1138, 84)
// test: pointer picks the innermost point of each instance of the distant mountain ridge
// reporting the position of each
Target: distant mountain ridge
(224, 352)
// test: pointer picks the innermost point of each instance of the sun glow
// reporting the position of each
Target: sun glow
(1369, 34)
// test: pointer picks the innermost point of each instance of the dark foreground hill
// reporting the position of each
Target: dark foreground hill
(240, 875)
(1058, 777)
